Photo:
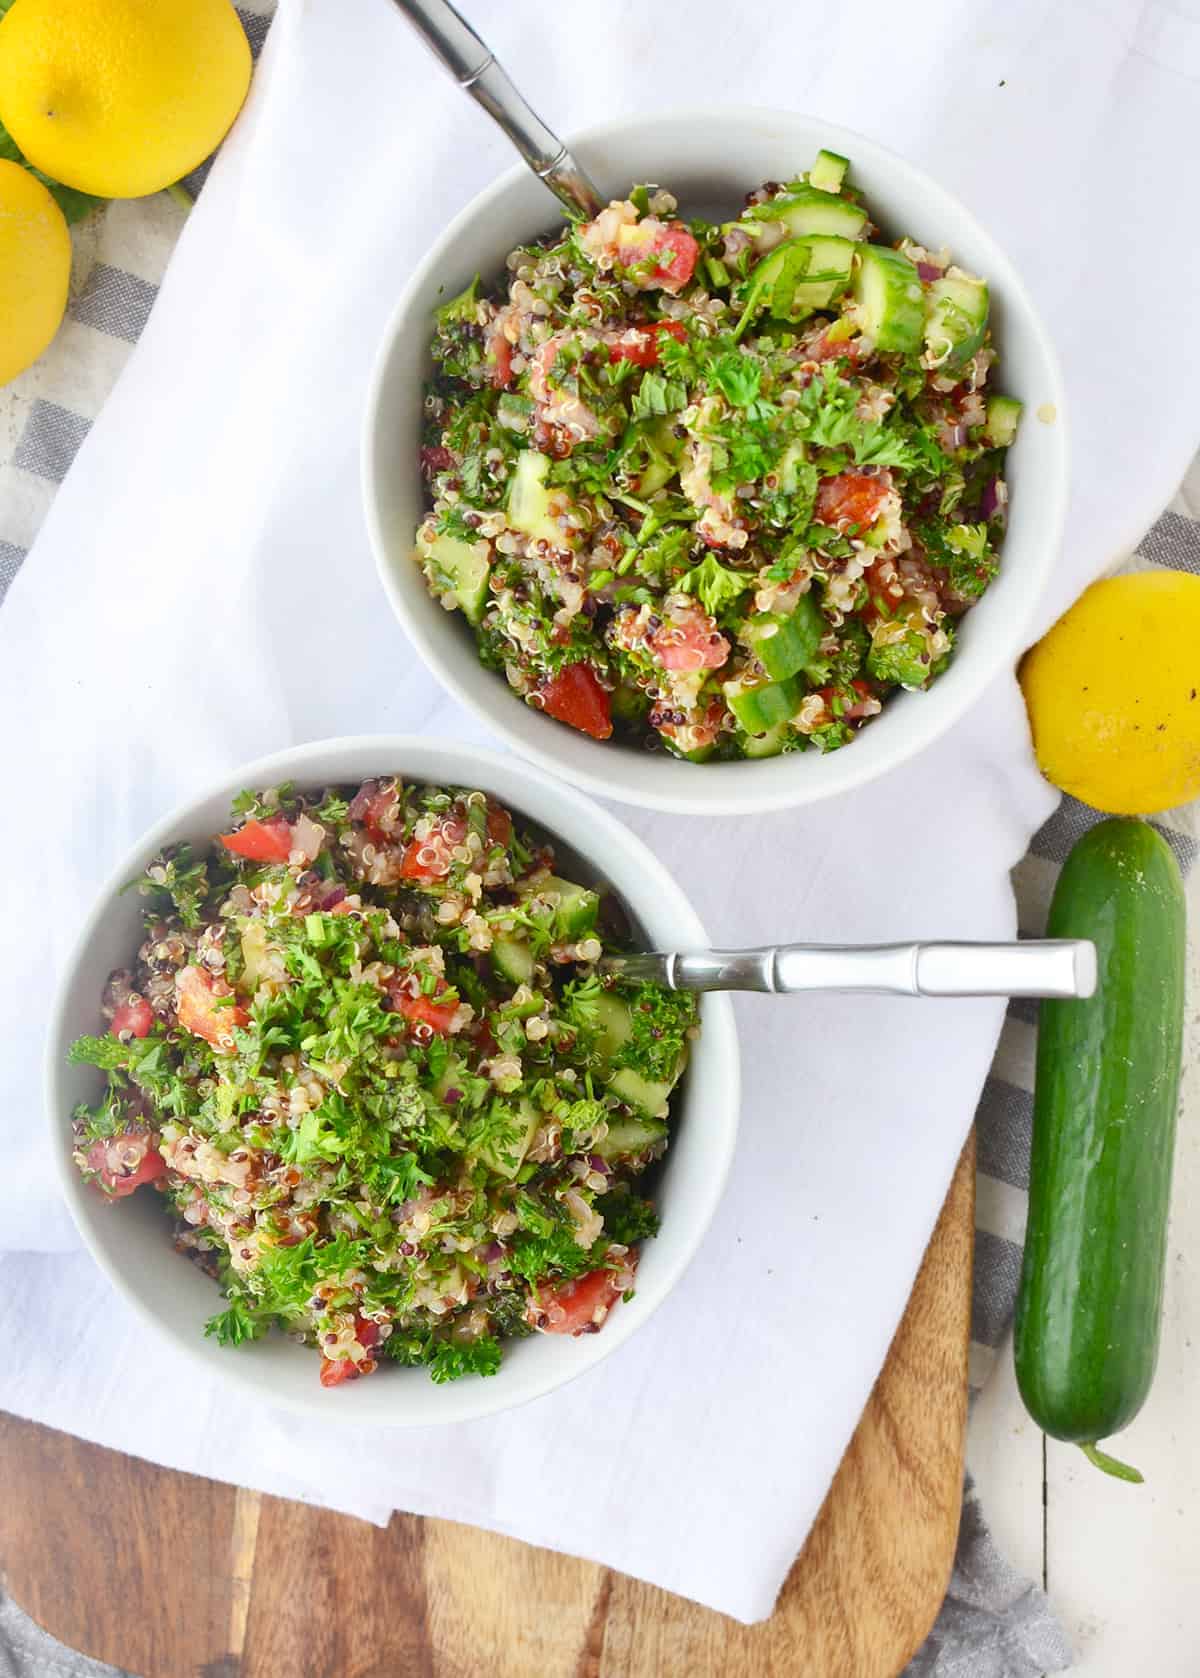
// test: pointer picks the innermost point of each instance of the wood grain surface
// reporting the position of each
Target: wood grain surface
(170, 1576)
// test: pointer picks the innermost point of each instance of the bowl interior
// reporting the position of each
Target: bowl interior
(710, 160)
(132, 1240)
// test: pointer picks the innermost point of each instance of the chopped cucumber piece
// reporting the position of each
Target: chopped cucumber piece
(769, 744)
(458, 568)
(506, 1159)
(574, 907)
(647, 1095)
(513, 959)
(829, 171)
(799, 276)
(956, 317)
(1003, 417)
(529, 500)
(452, 1078)
(629, 1137)
(699, 754)
(806, 210)
(629, 702)
(664, 451)
(889, 299)
(785, 644)
(614, 1027)
(759, 707)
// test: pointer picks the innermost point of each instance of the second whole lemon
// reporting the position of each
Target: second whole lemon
(121, 97)
(1113, 694)
(35, 269)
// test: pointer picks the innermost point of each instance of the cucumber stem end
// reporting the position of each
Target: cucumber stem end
(1112, 1465)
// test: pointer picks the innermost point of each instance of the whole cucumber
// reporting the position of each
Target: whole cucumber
(1107, 1088)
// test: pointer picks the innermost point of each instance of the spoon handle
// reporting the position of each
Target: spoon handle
(1061, 967)
(476, 70)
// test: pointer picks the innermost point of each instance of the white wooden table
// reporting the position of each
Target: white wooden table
(1121, 1563)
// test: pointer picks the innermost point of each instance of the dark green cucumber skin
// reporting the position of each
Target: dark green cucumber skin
(1107, 1090)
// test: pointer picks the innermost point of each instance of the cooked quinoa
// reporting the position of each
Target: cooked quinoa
(365, 1056)
(720, 488)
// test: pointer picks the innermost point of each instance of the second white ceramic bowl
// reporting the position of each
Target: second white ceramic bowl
(131, 1239)
(710, 159)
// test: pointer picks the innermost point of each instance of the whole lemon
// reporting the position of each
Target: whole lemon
(121, 97)
(1113, 694)
(35, 269)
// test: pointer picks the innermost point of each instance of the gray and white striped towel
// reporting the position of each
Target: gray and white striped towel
(993, 1625)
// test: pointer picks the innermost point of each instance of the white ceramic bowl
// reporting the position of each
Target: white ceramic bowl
(710, 159)
(130, 1239)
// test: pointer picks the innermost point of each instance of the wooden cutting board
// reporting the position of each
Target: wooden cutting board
(174, 1577)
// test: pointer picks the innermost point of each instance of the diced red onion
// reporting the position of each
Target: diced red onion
(929, 271)
(989, 501)
(334, 895)
(600, 1165)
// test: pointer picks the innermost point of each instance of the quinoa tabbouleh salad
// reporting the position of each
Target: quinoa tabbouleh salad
(366, 1056)
(720, 487)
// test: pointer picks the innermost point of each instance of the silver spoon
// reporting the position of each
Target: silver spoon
(473, 66)
(1062, 967)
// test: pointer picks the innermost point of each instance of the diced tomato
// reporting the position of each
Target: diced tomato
(336, 1370)
(642, 350)
(500, 354)
(576, 697)
(201, 1007)
(499, 825)
(366, 1333)
(581, 1304)
(693, 644)
(856, 710)
(104, 1157)
(430, 859)
(135, 1016)
(677, 254)
(423, 1010)
(379, 807)
(269, 841)
(852, 498)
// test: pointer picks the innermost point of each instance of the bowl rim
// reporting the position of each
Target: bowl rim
(606, 829)
(724, 793)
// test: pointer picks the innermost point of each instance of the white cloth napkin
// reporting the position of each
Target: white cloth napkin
(201, 592)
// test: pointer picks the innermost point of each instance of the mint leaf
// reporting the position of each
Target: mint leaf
(656, 396)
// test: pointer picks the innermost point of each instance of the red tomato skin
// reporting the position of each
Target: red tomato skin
(645, 352)
(586, 1302)
(694, 646)
(136, 1017)
(269, 841)
(576, 697)
(499, 825)
(366, 1333)
(336, 1370)
(677, 258)
(423, 1010)
(449, 832)
(197, 1011)
(116, 1182)
(850, 498)
(501, 353)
